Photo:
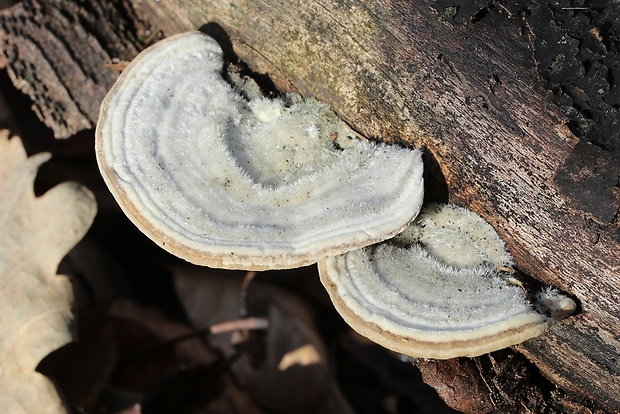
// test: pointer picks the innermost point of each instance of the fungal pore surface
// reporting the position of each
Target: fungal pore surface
(438, 289)
(224, 178)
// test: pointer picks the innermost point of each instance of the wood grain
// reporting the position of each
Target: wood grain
(470, 96)
(56, 51)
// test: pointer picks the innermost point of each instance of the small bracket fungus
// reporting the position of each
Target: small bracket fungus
(436, 292)
(228, 181)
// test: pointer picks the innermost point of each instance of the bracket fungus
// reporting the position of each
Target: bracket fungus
(223, 178)
(437, 290)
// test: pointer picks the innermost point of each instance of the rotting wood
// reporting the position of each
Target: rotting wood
(54, 52)
(468, 95)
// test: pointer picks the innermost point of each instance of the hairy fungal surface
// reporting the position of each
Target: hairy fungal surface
(436, 291)
(228, 181)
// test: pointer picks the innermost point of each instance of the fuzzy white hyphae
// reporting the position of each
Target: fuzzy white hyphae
(439, 290)
(219, 175)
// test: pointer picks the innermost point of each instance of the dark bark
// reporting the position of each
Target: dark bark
(56, 51)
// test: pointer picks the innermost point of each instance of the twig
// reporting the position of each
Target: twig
(238, 325)
(243, 295)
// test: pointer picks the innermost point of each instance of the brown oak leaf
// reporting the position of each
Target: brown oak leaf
(35, 302)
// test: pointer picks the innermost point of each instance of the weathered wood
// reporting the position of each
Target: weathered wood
(55, 52)
(469, 96)
(499, 382)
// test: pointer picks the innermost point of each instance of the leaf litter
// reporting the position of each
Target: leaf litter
(35, 303)
(159, 336)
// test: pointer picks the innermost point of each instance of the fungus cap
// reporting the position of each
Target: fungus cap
(418, 302)
(228, 181)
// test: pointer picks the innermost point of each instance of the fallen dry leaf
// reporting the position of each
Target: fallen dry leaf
(304, 355)
(286, 370)
(35, 303)
(168, 332)
(135, 409)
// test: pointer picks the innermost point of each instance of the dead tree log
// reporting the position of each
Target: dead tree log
(468, 94)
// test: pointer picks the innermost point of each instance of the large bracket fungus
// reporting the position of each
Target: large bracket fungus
(228, 181)
(438, 290)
